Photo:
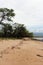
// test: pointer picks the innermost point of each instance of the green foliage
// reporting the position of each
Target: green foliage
(21, 31)
(30, 34)
(1, 33)
(7, 30)
(6, 14)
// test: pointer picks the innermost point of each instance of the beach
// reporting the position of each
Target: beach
(21, 52)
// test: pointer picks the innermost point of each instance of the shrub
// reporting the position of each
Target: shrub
(21, 31)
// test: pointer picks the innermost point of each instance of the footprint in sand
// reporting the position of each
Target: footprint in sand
(16, 47)
(5, 51)
(42, 49)
(0, 56)
(12, 47)
(39, 55)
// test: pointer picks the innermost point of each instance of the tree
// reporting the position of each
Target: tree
(20, 31)
(6, 14)
(8, 30)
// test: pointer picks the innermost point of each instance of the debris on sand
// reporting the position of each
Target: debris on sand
(0, 56)
(39, 55)
(25, 39)
(42, 49)
(12, 47)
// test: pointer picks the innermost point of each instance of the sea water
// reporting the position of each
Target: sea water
(38, 38)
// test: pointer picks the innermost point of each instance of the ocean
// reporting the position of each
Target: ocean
(38, 38)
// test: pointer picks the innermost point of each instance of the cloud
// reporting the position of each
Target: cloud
(29, 12)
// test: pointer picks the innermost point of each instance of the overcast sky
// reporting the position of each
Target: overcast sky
(29, 12)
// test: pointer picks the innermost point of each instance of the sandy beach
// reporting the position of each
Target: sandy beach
(21, 52)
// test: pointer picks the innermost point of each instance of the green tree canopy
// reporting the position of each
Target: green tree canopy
(7, 30)
(20, 31)
(6, 14)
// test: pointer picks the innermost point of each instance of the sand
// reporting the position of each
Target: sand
(21, 52)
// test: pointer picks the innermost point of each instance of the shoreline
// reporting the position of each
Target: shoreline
(38, 39)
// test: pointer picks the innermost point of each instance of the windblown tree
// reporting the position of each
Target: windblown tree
(20, 31)
(6, 14)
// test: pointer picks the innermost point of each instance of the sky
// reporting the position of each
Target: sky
(28, 12)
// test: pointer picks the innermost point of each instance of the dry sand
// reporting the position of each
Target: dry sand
(21, 52)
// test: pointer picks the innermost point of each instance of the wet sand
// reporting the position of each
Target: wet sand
(21, 52)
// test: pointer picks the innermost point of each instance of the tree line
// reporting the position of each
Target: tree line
(16, 30)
